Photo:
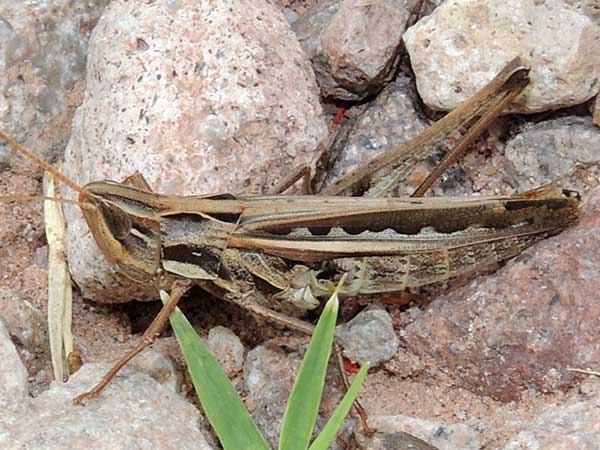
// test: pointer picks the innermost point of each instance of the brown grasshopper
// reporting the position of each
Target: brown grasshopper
(232, 244)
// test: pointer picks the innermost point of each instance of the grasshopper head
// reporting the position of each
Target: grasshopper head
(125, 229)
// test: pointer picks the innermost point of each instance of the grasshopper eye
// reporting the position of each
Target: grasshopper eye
(117, 220)
(572, 194)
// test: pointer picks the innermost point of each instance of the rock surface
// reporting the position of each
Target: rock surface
(521, 327)
(435, 434)
(369, 337)
(354, 45)
(13, 379)
(568, 427)
(199, 98)
(553, 149)
(464, 43)
(133, 412)
(42, 66)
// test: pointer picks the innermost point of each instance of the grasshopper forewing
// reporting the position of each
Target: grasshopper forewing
(223, 242)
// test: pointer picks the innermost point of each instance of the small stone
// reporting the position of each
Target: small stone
(299, 7)
(404, 365)
(461, 415)
(28, 327)
(423, 434)
(369, 337)
(565, 427)
(354, 45)
(551, 150)
(160, 367)
(590, 387)
(269, 373)
(133, 412)
(269, 365)
(463, 44)
(40, 257)
(226, 346)
(268, 413)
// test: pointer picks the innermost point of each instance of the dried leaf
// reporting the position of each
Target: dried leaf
(60, 294)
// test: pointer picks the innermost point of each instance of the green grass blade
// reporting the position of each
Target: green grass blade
(303, 405)
(224, 408)
(327, 435)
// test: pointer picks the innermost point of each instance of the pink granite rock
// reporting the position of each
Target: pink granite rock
(133, 412)
(199, 97)
(567, 427)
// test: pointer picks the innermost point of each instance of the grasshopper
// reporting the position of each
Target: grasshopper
(261, 250)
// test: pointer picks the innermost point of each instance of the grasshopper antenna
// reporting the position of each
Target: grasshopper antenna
(41, 163)
(32, 198)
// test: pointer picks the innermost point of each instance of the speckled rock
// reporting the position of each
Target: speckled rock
(464, 43)
(568, 427)
(269, 375)
(266, 364)
(434, 435)
(13, 379)
(28, 327)
(226, 346)
(521, 327)
(354, 45)
(404, 365)
(551, 150)
(389, 120)
(42, 66)
(369, 337)
(133, 412)
(160, 367)
(198, 97)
